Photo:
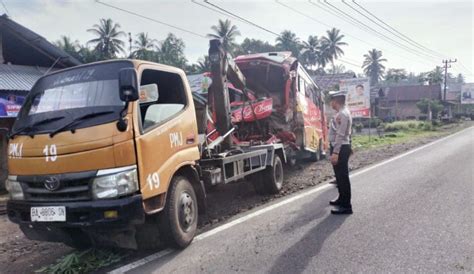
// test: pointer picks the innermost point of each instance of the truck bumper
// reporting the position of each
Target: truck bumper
(84, 214)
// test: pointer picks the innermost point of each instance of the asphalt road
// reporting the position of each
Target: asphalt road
(411, 214)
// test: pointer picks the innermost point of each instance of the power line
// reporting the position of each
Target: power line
(258, 26)
(241, 18)
(215, 10)
(151, 19)
(345, 33)
(389, 30)
(413, 51)
(380, 20)
(5, 8)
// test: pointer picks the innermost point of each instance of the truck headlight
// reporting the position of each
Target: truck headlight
(14, 188)
(113, 183)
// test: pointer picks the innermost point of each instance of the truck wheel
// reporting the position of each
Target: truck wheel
(273, 176)
(180, 216)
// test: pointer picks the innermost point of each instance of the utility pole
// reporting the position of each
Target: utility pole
(446, 66)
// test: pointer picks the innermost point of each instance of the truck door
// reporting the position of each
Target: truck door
(167, 132)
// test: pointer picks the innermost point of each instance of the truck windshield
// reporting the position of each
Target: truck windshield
(62, 97)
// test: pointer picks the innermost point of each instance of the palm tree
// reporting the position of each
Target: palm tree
(310, 51)
(324, 56)
(108, 42)
(225, 31)
(203, 64)
(65, 43)
(334, 42)
(288, 41)
(435, 76)
(373, 67)
(144, 47)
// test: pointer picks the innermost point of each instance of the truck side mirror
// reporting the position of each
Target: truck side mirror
(128, 85)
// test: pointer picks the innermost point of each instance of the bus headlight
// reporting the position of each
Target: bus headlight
(113, 185)
(14, 188)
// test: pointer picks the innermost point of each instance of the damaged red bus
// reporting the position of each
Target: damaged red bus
(281, 103)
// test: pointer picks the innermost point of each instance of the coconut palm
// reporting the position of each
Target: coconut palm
(227, 32)
(435, 76)
(310, 51)
(203, 64)
(144, 47)
(288, 41)
(107, 43)
(333, 43)
(373, 67)
(65, 43)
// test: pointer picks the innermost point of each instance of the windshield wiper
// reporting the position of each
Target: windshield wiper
(77, 120)
(30, 127)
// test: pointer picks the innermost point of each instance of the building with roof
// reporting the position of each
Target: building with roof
(399, 102)
(24, 57)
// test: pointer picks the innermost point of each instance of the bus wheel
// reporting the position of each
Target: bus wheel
(180, 216)
(273, 176)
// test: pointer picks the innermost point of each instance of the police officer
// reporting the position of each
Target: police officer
(340, 140)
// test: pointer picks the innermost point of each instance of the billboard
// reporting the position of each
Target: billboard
(199, 83)
(10, 104)
(467, 93)
(357, 92)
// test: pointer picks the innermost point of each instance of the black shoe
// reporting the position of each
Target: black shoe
(335, 202)
(341, 210)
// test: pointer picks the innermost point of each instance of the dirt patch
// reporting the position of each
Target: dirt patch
(20, 255)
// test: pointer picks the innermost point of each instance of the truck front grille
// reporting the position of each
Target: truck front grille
(73, 187)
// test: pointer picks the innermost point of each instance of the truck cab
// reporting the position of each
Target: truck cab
(97, 150)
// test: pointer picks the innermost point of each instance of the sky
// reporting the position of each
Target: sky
(445, 27)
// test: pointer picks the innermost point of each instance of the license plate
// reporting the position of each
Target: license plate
(48, 214)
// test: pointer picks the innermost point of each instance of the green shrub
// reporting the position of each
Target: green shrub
(358, 127)
(403, 125)
(427, 127)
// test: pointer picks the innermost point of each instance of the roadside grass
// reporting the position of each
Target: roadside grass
(396, 132)
(85, 261)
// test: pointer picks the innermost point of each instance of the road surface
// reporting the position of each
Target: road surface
(411, 214)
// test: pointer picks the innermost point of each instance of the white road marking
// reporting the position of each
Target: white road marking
(268, 208)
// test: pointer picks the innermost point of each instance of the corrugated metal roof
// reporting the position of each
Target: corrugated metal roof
(15, 77)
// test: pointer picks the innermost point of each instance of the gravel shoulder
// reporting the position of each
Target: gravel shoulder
(20, 255)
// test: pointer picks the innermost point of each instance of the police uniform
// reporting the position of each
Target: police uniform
(340, 141)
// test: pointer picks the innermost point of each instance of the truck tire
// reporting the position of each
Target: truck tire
(273, 176)
(179, 218)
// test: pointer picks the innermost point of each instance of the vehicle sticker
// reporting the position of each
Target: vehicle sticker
(15, 150)
(50, 153)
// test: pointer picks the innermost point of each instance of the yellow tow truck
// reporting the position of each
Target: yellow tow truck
(115, 153)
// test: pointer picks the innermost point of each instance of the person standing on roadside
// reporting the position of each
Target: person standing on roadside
(340, 151)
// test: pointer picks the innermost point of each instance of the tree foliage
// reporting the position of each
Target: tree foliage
(107, 42)
(227, 32)
(424, 105)
(373, 67)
